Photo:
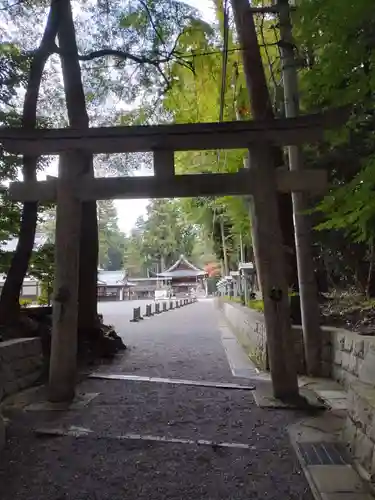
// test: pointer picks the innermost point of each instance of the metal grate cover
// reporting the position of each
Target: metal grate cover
(323, 453)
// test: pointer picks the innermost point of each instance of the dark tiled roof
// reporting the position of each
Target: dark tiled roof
(181, 273)
(187, 269)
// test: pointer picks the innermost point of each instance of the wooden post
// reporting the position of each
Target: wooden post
(266, 223)
(63, 362)
(164, 163)
(272, 277)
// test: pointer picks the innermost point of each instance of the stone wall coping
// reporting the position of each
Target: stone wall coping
(245, 309)
(349, 333)
(260, 316)
(333, 329)
(365, 391)
(8, 343)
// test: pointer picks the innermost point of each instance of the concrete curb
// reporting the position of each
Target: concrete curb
(328, 468)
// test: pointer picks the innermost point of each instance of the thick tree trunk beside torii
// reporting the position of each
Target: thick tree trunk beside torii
(78, 118)
(310, 313)
(10, 295)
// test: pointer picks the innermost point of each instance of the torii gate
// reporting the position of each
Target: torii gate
(72, 188)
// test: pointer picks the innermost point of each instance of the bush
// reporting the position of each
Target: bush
(255, 304)
(44, 298)
(25, 302)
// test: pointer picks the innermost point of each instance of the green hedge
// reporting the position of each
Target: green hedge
(255, 304)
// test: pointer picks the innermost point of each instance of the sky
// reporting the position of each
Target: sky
(129, 211)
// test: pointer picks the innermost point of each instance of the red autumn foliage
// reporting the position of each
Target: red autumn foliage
(213, 269)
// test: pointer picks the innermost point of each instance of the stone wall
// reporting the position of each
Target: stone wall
(250, 329)
(21, 363)
(249, 326)
(359, 431)
(348, 357)
(354, 368)
(353, 357)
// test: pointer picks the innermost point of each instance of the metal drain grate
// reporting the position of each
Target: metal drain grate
(324, 453)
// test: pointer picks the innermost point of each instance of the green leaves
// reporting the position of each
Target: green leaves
(336, 39)
(352, 206)
(137, 20)
(111, 240)
(160, 238)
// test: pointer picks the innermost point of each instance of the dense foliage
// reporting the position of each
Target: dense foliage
(158, 239)
(154, 62)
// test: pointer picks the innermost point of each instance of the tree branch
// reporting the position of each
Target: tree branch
(120, 54)
(154, 27)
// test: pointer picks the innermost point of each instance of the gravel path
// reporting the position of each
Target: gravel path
(103, 465)
(183, 343)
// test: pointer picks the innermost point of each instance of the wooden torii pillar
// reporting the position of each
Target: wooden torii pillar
(72, 188)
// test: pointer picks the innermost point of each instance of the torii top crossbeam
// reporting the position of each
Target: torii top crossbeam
(182, 137)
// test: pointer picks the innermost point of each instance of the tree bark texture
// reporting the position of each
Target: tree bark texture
(9, 302)
(308, 290)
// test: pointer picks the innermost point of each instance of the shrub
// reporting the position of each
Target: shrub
(25, 302)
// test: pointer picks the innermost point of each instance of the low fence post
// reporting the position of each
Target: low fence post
(139, 313)
(136, 315)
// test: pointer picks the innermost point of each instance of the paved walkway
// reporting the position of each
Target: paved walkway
(138, 439)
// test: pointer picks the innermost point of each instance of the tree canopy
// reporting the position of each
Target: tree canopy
(156, 62)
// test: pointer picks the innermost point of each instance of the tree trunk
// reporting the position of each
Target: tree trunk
(224, 246)
(308, 292)
(370, 285)
(78, 118)
(9, 302)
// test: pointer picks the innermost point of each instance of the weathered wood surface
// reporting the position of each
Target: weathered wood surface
(182, 137)
(63, 363)
(164, 164)
(241, 183)
(270, 257)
